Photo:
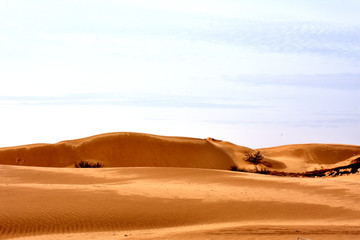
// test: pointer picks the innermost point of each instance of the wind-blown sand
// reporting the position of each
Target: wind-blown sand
(183, 192)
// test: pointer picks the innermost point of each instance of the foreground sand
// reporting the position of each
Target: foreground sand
(173, 203)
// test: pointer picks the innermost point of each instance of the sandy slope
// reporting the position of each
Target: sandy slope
(122, 150)
(305, 157)
(173, 203)
(157, 187)
(145, 150)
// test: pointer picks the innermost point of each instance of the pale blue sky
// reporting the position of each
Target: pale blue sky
(257, 73)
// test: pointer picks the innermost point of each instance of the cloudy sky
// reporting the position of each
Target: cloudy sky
(254, 72)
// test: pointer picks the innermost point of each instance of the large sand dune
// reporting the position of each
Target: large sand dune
(145, 150)
(155, 187)
(122, 150)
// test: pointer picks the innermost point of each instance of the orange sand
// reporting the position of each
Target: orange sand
(172, 188)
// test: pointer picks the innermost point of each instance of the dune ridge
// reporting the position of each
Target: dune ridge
(124, 149)
(305, 157)
(121, 150)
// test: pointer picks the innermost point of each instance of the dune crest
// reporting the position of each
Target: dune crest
(122, 150)
(305, 157)
(125, 149)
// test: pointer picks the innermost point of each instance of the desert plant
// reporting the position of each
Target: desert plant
(355, 168)
(234, 168)
(263, 170)
(357, 160)
(256, 159)
(85, 164)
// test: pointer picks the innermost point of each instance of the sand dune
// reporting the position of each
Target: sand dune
(305, 157)
(155, 187)
(156, 201)
(145, 150)
(122, 150)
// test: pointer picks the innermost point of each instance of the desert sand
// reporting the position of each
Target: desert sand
(156, 187)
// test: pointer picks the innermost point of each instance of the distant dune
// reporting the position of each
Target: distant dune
(145, 150)
(305, 157)
(122, 150)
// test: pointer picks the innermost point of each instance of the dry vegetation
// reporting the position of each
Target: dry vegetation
(256, 159)
(85, 164)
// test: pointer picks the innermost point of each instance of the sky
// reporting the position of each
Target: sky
(258, 73)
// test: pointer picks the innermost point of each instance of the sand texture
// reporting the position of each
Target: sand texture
(121, 150)
(172, 188)
(304, 157)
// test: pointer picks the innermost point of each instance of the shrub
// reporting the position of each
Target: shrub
(263, 171)
(333, 172)
(357, 160)
(256, 159)
(234, 168)
(85, 164)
